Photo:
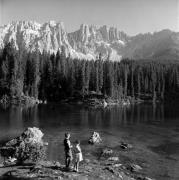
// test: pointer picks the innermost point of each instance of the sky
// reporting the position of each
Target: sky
(130, 16)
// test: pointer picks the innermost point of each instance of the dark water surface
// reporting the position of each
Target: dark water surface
(155, 129)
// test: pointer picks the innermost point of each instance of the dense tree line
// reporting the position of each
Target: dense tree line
(55, 76)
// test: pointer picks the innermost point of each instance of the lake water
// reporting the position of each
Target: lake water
(154, 130)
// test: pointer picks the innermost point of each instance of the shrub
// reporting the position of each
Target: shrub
(29, 146)
(30, 151)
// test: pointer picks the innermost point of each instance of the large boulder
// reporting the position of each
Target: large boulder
(33, 135)
(28, 146)
(30, 135)
(95, 138)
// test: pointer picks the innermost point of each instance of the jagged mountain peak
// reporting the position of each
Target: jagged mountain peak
(89, 40)
(54, 24)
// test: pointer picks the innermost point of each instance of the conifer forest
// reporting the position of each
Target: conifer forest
(55, 77)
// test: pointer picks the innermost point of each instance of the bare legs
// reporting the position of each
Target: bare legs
(76, 166)
(67, 162)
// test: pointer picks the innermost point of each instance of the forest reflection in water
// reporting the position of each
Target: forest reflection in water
(15, 119)
(49, 115)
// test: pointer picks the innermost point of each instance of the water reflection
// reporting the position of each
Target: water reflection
(153, 126)
(16, 118)
(13, 120)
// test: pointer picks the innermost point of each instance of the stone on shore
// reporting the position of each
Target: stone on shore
(28, 146)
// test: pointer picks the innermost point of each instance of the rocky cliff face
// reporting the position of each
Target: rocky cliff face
(89, 41)
(92, 40)
(31, 35)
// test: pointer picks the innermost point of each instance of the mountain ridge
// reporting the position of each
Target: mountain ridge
(89, 41)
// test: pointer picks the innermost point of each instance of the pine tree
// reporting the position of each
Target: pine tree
(11, 57)
(97, 76)
(82, 77)
(87, 76)
(132, 79)
(100, 71)
(138, 82)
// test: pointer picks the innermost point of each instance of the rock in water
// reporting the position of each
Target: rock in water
(95, 138)
(106, 152)
(113, 159)
(125, 145)
(28, 146)
(134, 168)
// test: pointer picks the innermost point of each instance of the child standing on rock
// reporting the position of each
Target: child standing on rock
(78, 155)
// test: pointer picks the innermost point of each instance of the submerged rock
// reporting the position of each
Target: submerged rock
(143, 178)
(110, 169)
(117, 165)
(95, 138)
(147, 178)
(134, 168)
(125, 145)
(113, 159)
(106, 152)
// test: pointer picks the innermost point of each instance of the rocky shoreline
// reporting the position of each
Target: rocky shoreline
(91, 100)
(106, 169)
(110, 162)
(109, 166)
(101, 102)
(6, 101)
(22, 100)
